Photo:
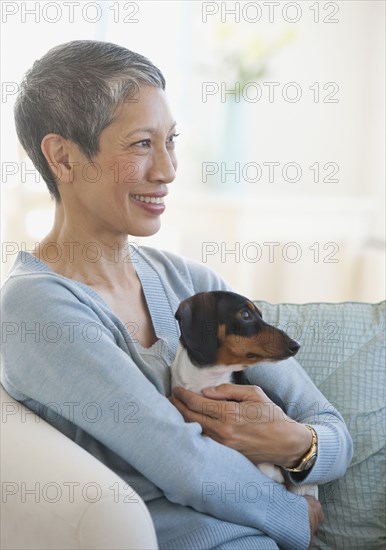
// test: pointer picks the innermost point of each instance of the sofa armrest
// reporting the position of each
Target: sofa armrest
(55, 495)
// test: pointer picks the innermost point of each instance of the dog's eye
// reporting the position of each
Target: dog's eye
(245, 315)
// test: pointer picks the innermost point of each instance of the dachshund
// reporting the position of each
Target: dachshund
(223, 334)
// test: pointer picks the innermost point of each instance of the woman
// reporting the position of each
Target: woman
(94, 119)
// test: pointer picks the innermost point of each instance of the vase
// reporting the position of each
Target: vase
(235, 150)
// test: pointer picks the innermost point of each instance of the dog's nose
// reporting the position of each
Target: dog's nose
(293, 347)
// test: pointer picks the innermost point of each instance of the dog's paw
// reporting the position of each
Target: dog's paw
(303, 490)
(271, 471)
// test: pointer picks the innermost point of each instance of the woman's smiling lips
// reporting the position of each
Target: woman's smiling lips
(153, 202)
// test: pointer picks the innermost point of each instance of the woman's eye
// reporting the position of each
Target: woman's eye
(143, 143)
(245, 315)
(172, 138)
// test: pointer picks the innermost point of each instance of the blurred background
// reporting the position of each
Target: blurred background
(280, 109)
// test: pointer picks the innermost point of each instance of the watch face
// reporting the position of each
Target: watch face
(310, 462)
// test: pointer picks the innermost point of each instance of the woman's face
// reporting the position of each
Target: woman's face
(122, 191)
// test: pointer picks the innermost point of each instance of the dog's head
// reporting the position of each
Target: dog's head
(224, 328)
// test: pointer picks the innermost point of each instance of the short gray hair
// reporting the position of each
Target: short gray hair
(74, 91)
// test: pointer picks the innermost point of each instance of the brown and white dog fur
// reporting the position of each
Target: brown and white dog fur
(222, 334)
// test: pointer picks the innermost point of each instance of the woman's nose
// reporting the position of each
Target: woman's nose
(163, 168)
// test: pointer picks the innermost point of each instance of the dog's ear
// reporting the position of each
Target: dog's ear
(197, 317)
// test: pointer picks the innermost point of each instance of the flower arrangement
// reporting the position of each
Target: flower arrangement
(240, 57)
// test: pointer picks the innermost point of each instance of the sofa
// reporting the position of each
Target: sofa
(55, 495)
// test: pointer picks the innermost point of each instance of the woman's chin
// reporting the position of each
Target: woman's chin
(146, 231)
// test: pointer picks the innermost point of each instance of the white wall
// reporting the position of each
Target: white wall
(341, 220)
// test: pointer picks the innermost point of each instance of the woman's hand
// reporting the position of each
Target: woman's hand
(245, 419)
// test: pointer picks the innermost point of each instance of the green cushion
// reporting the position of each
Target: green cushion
(343, 351)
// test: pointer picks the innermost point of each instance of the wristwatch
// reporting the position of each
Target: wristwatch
(309, 458)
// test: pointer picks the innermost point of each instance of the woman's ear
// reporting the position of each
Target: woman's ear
(57, 152)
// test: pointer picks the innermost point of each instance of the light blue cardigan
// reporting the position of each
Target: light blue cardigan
(69, 358)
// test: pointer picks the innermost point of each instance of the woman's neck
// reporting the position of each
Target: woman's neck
(78, 254)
